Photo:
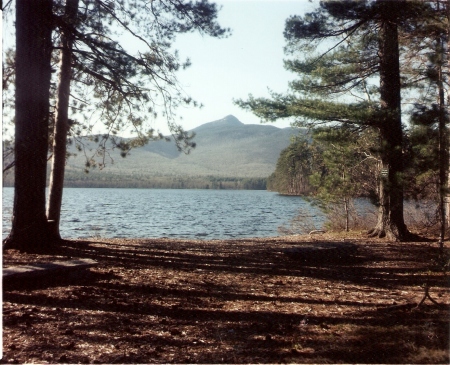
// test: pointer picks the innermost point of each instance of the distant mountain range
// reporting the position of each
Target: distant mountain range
(228, 154)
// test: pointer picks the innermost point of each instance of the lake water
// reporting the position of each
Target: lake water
(156, 213)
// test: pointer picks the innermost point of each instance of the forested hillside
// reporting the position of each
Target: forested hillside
(229, 154)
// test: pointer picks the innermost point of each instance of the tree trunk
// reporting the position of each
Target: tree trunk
(33, 73)
(346, 207)
(443, 150)
(347, 214)
(447, 210)
(390, 218)
(61, 127)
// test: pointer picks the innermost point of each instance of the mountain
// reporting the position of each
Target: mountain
(228, 154)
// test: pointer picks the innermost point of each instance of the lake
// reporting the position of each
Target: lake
(156, 213)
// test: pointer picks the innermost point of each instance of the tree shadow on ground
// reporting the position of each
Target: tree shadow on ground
(232, 302)
(369, 266)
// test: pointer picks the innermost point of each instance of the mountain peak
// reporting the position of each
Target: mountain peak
(231, 119)
(228, 121)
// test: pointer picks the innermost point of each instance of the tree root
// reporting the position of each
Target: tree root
(412, 306)
(425, 296)
(376, 232)
(391, 233)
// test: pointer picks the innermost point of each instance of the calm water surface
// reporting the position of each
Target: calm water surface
(155, 213)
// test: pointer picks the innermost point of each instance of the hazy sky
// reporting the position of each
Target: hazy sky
(249, 61)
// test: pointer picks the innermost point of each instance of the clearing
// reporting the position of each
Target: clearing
(233, 301)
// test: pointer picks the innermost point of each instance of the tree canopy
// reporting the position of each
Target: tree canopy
(130, 86)
(347, 57)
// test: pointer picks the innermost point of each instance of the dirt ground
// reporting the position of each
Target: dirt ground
(234, 301)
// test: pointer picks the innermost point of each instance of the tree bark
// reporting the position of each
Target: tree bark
(443, 148)
(61, 127)
(347, 214)
(447, 197)
(33, 73)
(390, 218)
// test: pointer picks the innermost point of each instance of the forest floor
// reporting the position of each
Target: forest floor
(231, 301)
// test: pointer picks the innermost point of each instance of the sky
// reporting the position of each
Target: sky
(250, 61)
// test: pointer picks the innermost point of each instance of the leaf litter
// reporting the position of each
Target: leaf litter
(229, 301)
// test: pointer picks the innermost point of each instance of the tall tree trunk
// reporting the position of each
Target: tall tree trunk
(447, 210)
(390, 218)
(443, 150)
(33, 73)
(61, 127)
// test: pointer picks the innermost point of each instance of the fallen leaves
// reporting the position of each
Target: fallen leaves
(166, 301)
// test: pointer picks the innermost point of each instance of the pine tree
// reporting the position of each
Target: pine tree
(348, 162)
(390, 217)
(121, 79)
(428, 46)
(340, 84)
(294, 166)
(61, 125)
(8, 75)
(32, 80)
(128, 86)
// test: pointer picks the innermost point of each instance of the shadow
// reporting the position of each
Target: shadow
(224, 303)
(78, 276)
(366, 266)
